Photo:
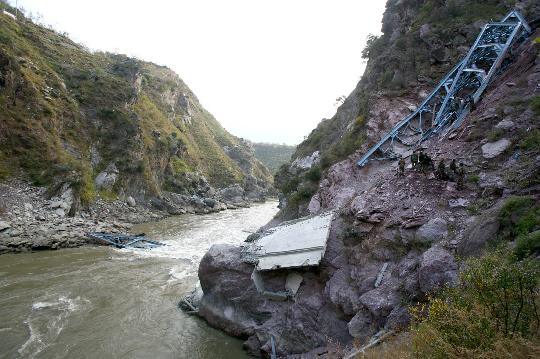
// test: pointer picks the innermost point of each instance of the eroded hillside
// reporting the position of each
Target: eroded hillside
(421, 41)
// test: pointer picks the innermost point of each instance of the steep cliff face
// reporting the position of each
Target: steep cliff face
(421, 41)
(108, 123)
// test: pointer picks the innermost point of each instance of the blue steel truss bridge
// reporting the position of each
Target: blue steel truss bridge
(456, 94)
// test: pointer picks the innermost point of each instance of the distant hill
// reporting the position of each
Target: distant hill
(273, 155)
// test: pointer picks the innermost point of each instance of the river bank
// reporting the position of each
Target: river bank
(31, 220)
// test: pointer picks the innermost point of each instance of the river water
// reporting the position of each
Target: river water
(100, 302)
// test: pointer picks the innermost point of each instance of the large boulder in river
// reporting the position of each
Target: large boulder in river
(232, 303)
(227, 286)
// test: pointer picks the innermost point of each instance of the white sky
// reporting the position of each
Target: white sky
(267, 70)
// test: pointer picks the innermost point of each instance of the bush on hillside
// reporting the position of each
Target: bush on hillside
(519, 216)
(535, 104)
(493, 312)
(531, 141)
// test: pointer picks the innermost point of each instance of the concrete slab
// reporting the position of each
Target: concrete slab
(292, 244)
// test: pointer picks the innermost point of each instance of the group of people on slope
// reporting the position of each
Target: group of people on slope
(421, 161)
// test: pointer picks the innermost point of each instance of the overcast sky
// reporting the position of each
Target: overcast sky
(267, 70)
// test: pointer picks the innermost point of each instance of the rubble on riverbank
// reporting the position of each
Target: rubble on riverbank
(32, 220)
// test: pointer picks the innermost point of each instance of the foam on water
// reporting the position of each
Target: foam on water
(189, 237)
(46, 322)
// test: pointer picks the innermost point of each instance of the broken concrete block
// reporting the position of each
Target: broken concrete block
(293, 281)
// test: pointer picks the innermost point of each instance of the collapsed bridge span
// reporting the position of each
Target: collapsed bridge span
(451, 101)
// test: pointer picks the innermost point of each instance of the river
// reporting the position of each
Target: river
(100, 302)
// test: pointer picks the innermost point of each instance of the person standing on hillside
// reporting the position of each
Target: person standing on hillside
(414, 159)
(421, 160)
(453, 166)
(401, 167)
(440, 173)
(460, 176)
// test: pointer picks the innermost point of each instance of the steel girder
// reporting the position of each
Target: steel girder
(447, 106)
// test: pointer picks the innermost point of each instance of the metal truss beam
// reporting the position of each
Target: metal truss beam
(457, 92)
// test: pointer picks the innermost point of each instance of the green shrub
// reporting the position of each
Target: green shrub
(178, 166)
(531, 141)
(519, 216)
(495, 134)
(527, 244)
(495, 301)
(108, 195)
(290, 185)
(374, 45)
(474, 178)
(535, 105)
(303, 194)
(314, 174)
(4, 170)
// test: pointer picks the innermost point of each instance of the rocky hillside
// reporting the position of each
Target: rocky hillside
(396, 241)
(108, 125)
(273, 155)
(421, 41)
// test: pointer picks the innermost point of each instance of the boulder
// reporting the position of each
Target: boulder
(505, 125)
(425, 31)
(398, 319)
(210, 202)
(228, 290)
(131, 201)
(380, 301)
(358, 204)
(490, 181)
(107, 178)
(231, 194)
(360, 326)
(314, 205)
(493, 149)
(458, 202)
(341, 291)
(437, 268)
(4, 226)
(433, 231)
(480, 231)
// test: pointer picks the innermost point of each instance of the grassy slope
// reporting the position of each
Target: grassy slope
(60, 100)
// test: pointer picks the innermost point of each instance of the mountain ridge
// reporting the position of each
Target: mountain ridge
(71, 114)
